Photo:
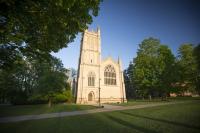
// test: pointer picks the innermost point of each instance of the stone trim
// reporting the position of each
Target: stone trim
(103, 100)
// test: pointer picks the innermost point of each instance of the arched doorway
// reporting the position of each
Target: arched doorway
(91, 96)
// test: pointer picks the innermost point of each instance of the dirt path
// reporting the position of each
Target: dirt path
(107, 108)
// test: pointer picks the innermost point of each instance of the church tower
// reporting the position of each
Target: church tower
(89, 67)
(98, 81)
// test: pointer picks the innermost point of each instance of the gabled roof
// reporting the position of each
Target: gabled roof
(109, 58)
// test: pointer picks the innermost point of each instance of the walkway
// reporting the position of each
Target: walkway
(107, 108)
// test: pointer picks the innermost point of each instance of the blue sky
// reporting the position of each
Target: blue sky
(125, 23)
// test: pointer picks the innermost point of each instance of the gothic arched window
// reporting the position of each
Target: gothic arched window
(109, 75)
(91, 79)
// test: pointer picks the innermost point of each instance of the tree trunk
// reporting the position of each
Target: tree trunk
(164, 97)
(150, 97)
(142, 97)
(49, 102)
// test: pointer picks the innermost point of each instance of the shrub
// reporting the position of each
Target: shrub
(37, 99)
(65, 96)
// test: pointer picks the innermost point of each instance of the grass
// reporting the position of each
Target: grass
(10, 110)
(140, 102)
(133, 102)
(184, 118)
(43, 108)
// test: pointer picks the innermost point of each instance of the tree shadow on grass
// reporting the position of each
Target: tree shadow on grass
(130, 125)
(161, 120)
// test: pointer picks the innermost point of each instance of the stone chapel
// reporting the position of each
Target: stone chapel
(98, 81)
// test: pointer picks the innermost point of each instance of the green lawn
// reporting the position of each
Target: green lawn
(40, 109)
(141, 102)
(133, 102)
(184, 118)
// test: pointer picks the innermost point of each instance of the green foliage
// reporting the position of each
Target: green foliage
(187, 64)
(166, 67)
(196, 54)
(61, 97)
(51, 82)
(152, 72)
(29, 32)
(144, 63)
(36, 28)
(15, 83)
(65, 96)
(37, 99)
(156, 72)
(32, 77)
(129, 84)
(145, 68)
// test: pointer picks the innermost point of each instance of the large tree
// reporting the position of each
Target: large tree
(196, 54)
(51, 78)
(197, 57)
(153, 69)
(128, 80)
(187, 67)
(29, 31)
(32, 77)
(146, 68)
(166, 69)
(50, 83)
(39, 27)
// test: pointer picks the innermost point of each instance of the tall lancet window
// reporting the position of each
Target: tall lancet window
(109, 75)
(91, 79)
(92, 44)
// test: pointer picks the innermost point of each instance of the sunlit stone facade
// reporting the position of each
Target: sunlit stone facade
(98, 78)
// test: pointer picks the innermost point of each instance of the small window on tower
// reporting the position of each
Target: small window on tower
(91, 61)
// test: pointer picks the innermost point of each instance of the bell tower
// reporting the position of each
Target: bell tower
(89, 62)
(90, 48)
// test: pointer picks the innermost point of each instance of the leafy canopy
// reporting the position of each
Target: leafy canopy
(188, 67)
(38, 27)
(153, 68)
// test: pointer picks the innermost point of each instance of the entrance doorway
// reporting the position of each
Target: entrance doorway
(91, 96)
